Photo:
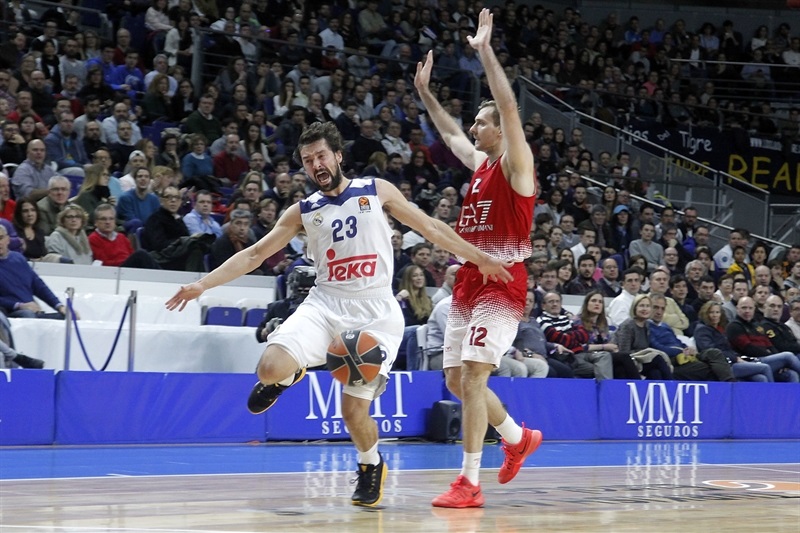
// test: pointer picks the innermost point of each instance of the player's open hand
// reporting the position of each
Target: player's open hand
(496, 270)
(186, 293)
(483, 37)
(422, 79)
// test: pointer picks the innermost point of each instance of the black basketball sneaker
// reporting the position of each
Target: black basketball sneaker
(262, 397)
(369, 489)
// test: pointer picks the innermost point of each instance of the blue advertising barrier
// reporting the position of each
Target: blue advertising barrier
(563, 409)
(312, 409)
(665, 409)
(144, 407)
(27, 407)
(38, 407)
(771, 412)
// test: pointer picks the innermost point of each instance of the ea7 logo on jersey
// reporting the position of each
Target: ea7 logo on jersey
(473, 217)
(360, 266)
(363, 204)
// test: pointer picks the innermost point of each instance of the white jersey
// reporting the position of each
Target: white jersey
(349, 239)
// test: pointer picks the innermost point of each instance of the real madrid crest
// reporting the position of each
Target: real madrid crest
(317, 219)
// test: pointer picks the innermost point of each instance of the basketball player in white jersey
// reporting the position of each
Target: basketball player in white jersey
(349, 241)
(496, 216)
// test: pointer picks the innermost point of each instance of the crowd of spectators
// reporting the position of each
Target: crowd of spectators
(164, 174)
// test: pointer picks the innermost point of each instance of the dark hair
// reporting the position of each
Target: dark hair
(18, 212)
(586, 257)
(677, 278)
(320, 131)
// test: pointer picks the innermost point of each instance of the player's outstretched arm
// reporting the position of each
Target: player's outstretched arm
(243, 261)
(518, 159)
(452, 134)
(438, 232)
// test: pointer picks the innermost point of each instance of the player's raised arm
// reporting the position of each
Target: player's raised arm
(518, 158)
(440, 233)
(452, 134)
(243, 261)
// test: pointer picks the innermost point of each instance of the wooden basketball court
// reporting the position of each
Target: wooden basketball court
(587, 486)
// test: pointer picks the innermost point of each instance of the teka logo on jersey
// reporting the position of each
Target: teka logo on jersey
(661, 415)
(359, 266)
(326, 406)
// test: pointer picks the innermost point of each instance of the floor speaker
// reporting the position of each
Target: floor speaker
(444, 421)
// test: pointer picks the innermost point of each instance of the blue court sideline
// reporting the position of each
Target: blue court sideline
(100, 461)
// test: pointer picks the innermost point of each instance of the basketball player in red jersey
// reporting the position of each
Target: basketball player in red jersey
(496, 217)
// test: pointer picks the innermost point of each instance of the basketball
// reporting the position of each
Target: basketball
(354, 357)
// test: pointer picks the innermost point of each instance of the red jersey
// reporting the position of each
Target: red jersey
(494, 217)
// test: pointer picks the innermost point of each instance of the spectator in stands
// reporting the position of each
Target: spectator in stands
(13, 149)
(92, 141)
(7, 205)
(740, 266)
(633, 338)
(794, 276)
(203, 120)
(619, 309)
(112, 248)
(280, 192)
(64, 148)
(157, 102)
(794, 321)
(412, 296)
(688, 363)
(51, 205)
(587, 235)
(531, 348)
(679, 292)
(609, 283)
(26, 218)
(120, 114)
(446, 288)
(167, 237)
(365, 145)
(234, 239)
(724, 258)
(779, 333)
(137, 205)
(288, 133)
(673, 316)
(228, 165)
(94, 191)
(584, 282)
(593, 318)
(19, 284)
(749, 339)
(69, 238)
(183, 101)
(348, 122)
(710, 333)
(645, 246)
(32, 176)
(587, 360)
(197, 165)
(199, 219)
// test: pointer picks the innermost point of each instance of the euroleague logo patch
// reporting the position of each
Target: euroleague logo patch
(759, 486)
(363, 204)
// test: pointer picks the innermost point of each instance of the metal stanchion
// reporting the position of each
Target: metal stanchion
(68, 326)
(131, 330)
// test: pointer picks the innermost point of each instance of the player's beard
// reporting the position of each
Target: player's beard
(333, 184)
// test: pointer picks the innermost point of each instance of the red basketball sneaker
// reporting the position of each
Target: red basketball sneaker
(516, 453)
(462, 494)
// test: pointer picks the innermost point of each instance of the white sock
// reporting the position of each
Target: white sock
(471, 467)
(288, 381)
(369, 457)
(509, 430)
